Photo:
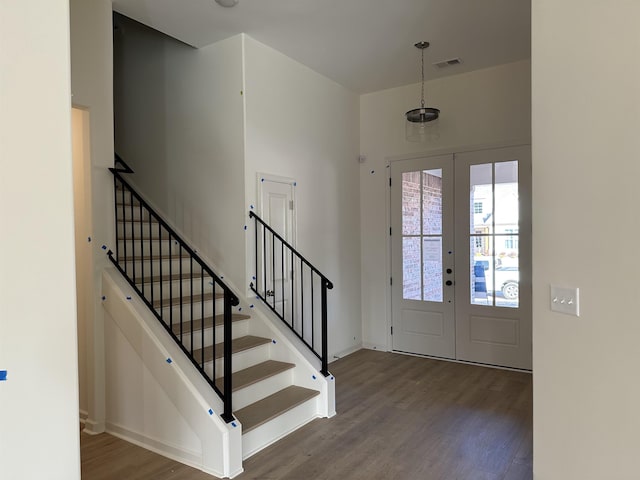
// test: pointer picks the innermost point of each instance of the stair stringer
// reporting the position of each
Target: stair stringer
(182, 384)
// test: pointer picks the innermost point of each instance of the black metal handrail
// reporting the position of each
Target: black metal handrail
(150, 254)
(281, 275)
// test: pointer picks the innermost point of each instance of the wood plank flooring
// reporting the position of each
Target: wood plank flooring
(399, 417)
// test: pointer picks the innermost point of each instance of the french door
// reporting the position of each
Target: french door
(461, 256)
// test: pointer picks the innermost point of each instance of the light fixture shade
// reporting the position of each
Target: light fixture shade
(422, 115)
(422, 125)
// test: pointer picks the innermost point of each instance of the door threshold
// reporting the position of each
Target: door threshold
(464, 362)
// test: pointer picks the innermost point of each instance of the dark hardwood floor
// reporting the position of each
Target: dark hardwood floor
(399, 417)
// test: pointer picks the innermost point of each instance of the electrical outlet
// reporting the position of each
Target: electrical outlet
(565, 300)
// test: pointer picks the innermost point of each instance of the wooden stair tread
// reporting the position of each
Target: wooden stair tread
(173, 278)
(239, 344)
(137, 220)
(166, 256)
(260, 412)
(187, 299)
(208, 322)
(254, 374)
(165, 237)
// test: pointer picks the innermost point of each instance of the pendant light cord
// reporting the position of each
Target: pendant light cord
(422, 94)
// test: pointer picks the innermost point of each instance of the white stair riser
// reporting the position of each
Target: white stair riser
(238, 329)
(241, 360)
(138, 230)
(266, 434)
(165, 266)
(127, 213)
(197, 310)
(148, 247)
(262, 389)
(172, 289)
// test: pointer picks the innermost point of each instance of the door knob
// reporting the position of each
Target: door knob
(448, 283)
(449, 270)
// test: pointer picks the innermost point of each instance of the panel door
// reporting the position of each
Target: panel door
(493, 261)
(422, 256)
(277, 210)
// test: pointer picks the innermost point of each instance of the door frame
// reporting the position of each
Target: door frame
(523, 142)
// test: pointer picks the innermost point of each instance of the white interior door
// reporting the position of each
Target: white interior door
(277, 210)
(461, 256)
(422, 256)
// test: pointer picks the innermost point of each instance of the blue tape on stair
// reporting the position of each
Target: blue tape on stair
(128, 297)
(104, 247)
(239, 309)
(332, 377)
(262, 179)
(274, 342)
(88, 239)
(104, 298)
(372, 172)
(251, 207)
(210, 412)
(234, 424)
(251, 306)
(169, 360)
(221, 277)
(295, 184)
(313, 376)
(3, 375)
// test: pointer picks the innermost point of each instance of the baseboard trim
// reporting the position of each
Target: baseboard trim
(344, 353)
(375, 346)
(464, 362)
(192, 459)
(92, 427)
(83, 416)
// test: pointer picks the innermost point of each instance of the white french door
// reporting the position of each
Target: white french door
(461, 256)
(422, 256)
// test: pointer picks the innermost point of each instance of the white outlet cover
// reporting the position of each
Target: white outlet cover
(565, 300)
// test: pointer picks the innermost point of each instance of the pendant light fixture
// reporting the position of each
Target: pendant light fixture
(421, 122)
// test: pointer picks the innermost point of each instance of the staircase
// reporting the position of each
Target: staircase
(201, 314)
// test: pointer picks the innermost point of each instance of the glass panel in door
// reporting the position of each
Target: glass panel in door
(494, 234)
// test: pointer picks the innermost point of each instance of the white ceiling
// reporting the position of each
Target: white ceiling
(365, 45)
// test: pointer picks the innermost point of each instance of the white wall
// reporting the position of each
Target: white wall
(92, 89)
(39, 400)
(302, 125)
(586, 151)
(84, 262)
(179, 124)
(485, 107)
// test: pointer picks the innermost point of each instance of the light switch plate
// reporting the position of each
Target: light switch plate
(565, 300)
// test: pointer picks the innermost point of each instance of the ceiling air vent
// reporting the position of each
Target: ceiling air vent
(448, 63)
